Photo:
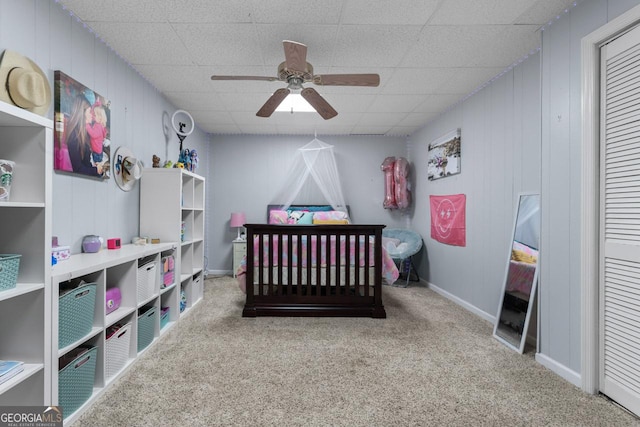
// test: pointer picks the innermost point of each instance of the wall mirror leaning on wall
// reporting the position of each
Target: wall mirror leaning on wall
(521, 276)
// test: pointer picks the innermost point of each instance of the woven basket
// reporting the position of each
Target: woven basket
(75, 381)
(9, 265)
(117, 350)
(146, 327)
(76, 310)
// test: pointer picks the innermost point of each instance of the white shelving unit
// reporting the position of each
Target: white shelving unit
(111, 268)
(172, 209)
(25, 227)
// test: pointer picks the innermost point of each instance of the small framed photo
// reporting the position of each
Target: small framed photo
(444, 156)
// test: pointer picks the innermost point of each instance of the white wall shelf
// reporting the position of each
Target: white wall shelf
(25, 227)
(107, 269)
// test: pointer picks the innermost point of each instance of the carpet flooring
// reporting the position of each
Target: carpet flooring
(430, 363)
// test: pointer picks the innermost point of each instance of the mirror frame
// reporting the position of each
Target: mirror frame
(534, 286)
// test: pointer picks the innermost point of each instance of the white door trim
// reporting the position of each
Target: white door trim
(590, 49)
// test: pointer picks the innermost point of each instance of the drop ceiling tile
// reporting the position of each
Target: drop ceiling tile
(301, 11)
(416, 81)
(465, 80)
(397, 103)
(543, 11)
(381, 119)
(374, 45)
(348, 103)
(409, 12)
(220, 44)
(416, 119)
(402, 130)
(436, 103)
(486, 12)
(205, 101)
(319, 39)
(138, 43)
(475, 46)
(120, 10)
(231, 129)
(177, 78)
(243, 102)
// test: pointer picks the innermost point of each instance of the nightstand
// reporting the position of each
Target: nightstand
(239, 250)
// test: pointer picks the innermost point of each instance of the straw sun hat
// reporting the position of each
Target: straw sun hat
(22, 83)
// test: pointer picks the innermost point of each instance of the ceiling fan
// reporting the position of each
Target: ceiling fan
(295, 70)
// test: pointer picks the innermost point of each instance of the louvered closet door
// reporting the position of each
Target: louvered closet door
(620, 221)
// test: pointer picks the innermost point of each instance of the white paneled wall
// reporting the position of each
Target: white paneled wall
(45, 32)
(500, 158)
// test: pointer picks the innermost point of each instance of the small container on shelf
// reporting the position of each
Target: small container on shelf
(76, 310)
(9, 266)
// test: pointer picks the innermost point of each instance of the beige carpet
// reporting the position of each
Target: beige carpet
(430, 362)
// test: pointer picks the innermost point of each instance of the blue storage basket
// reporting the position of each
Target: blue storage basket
(75, 381)
(75, 314)
(146, 327)
(9, 265)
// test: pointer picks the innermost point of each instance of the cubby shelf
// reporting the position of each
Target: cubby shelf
(25, 227)
(178, 216)
(112, 268)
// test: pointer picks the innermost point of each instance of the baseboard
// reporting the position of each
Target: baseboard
(566, 373)
(472, 308)
(219, 272)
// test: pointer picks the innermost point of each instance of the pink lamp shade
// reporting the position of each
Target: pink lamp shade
(237, 220)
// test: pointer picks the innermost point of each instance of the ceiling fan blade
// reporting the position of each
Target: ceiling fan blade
(295, 55)
(269, 79)
(272, 103)
(319, 103)
(347, 79)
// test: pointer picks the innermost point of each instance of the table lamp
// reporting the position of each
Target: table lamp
(237, 220)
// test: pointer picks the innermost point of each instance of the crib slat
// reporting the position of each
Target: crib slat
(366, 264)
(347, 262)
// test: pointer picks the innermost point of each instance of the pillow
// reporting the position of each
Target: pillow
(277, 217)
(330, 221)
(330, 215)
(306, 218)
(390, 241)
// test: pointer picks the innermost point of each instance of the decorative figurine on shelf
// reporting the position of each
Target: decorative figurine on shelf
(194, 160)
(168, 164)
(184, 157)
(179, 165)
(156, 161)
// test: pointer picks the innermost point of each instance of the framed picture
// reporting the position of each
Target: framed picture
(82, 129)
(444, 156)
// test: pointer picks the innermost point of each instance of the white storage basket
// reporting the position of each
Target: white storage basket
(146, 282)
(117, 350)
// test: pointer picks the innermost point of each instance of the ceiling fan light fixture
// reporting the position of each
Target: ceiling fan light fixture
(295, 103)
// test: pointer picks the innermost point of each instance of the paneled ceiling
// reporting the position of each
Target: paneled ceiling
(430, 54)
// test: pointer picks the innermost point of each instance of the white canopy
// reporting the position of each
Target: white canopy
(313, 178)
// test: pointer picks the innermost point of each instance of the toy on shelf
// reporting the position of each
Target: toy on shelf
(156, 161)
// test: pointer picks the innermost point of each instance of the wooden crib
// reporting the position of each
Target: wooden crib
(308, 277)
